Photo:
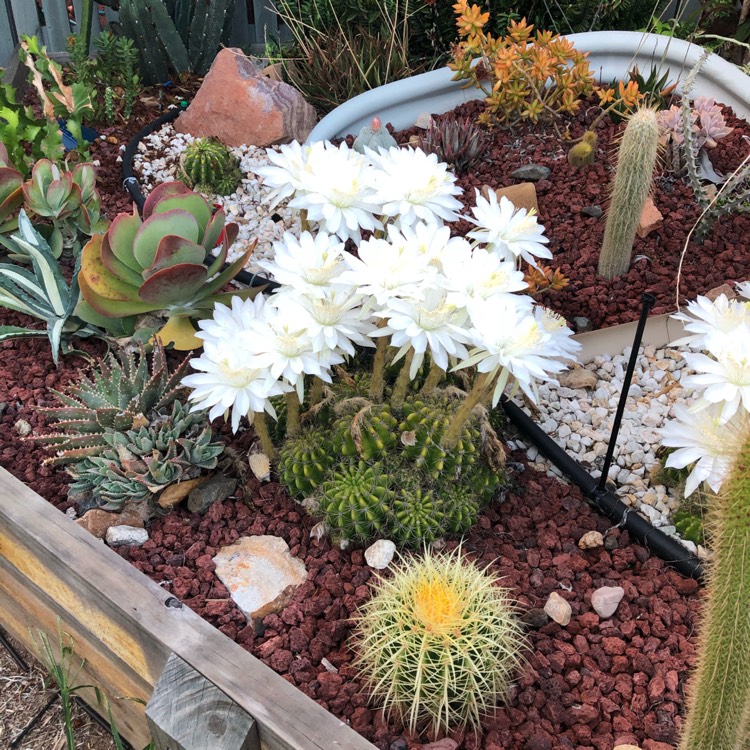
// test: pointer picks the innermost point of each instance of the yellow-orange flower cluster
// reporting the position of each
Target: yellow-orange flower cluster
(525, 75)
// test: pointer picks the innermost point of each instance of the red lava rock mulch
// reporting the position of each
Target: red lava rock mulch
(593, 684)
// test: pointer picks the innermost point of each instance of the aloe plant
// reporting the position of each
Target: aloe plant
(158, 264)
(41, 292)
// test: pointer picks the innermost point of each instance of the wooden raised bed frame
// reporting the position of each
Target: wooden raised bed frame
(51, 571)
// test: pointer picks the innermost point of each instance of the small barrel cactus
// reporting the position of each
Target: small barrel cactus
(421, 431)
(304, 462)
(632, 184)
(416, 518)
(354, 503)
(374, 136)
(689, 525)
(208, 166)
(438, 642)
(584, 151)
(369, 433)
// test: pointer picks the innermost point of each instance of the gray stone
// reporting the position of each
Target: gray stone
(532, 172)
(582, 324)
(380, 554)
(558, 609)
(606, 600)
(593, 211)
(535, 618)
(213, 490)
(126, 536)
(260, 574)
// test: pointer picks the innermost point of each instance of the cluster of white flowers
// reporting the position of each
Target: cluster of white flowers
(410, 281)
(711, 431)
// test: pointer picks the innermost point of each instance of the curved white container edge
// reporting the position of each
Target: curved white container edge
(611, 55)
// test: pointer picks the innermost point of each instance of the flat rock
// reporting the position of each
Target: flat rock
(725, 289)
(533, 172)
(213, 490)
(174, 494)
(582, 324)
(606, 600)
(126, 536)
(627, 747)
(380, 554)
(423, 121)
(239, 105)
(591, 540)
(650, 218)
(535, 618)
(558, 609)
(260, 574)
(593, 211)
(97, 521)
(521, 196)
(577, 378)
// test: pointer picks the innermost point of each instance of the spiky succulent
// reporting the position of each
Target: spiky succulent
(122, 394)
(422, 428)
(355, 502)
(163, 264)
(208, 166)
(456, 141)
(438, 642)
(369, 432)
(304, 462)
(689, 525)
(139, 463)
(416, 517)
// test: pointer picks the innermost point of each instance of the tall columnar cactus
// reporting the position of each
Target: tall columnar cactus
(719, 696)
(181, 36)
(632, 185)
(208, 166)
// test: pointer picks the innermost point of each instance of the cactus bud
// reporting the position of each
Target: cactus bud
(583, 152)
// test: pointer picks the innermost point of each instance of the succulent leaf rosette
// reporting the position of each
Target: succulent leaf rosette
(158, 264)
(11, 194)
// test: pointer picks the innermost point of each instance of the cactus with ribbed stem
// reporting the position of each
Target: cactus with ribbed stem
(304, 462)
(719, 695)
(354, 503)
(141, 462)
(416, 517)
(632, 184)
(208, 166)
(439, 642)
(124, 393)
(368, 433)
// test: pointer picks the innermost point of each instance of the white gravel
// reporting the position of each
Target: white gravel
(157, 161)
(580, 421)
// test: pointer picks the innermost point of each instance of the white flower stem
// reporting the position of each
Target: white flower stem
(316, 390)
(435, 375)
(476, 394)
(292, 414)
(377, 381)
(402, 383)
(261, 430)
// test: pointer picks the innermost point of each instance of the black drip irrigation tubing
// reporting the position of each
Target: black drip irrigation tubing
(605, 501)
(131, 184)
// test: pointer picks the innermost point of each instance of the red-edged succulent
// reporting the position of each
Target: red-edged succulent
(161, 263)
(11, 194)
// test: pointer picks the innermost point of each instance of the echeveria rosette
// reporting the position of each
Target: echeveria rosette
(514, 234)
(158, 264)
(11, 193)
(412, 186)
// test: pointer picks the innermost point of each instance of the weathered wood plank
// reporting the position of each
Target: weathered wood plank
(7, 43)
(56, 23)
(27, 20)
(176, 724)
(125, 612)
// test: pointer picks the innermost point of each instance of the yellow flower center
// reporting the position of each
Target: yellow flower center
(438, 606)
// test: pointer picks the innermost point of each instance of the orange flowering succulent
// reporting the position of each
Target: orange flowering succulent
(525, 75)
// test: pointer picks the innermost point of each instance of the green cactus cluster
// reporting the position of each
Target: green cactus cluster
(176, 36)
(689, 525)
(439, 642)
(208, 166)
(375, 475)
(137, 464)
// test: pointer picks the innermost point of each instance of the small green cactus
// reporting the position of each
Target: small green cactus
(304, 462)
(416, 518)
(689, 525)
(208, 166)
(422, 429)
(632, 184)
(374, 136)
(354, 503)
(438, 642)
(719, 694)
(139, 463)
(369, 433)
(584, 151)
